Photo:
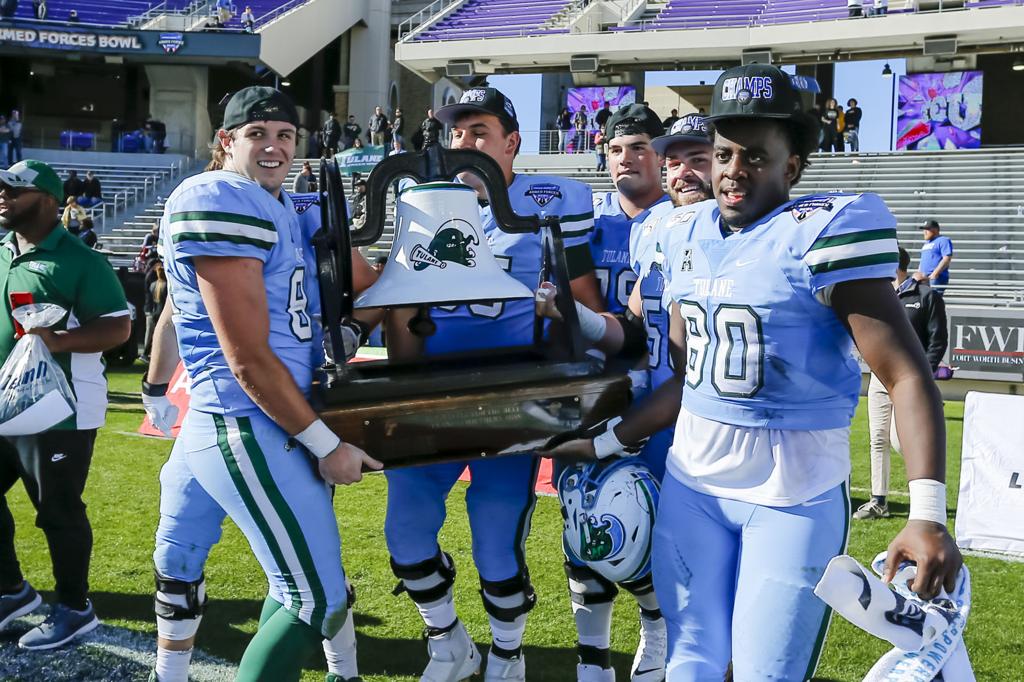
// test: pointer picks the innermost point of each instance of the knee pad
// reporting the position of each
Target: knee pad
(507, 600)
(428, 581)
(179, 607)
(587, 587)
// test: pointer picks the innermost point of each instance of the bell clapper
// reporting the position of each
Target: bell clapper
(421, 325)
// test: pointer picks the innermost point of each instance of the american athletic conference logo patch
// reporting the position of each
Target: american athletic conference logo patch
(302, 203)
(544, 192)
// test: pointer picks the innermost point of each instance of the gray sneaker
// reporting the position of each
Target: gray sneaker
(17, 605)
(872, 510)
(59, 628)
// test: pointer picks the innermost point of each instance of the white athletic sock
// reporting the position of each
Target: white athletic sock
(507, 635)
(594, 624)
(340, 650)
(172, 666)
(435, 614)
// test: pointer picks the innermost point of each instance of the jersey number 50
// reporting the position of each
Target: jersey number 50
(736, 340)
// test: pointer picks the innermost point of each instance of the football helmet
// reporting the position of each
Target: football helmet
(608, 512)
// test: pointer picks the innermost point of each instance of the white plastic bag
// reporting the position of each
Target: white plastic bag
(34, 394)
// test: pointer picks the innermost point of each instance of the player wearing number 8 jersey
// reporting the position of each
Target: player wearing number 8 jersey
(239, 269)
(767, 297)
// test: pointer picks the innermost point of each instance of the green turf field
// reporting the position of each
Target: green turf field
(122, 496)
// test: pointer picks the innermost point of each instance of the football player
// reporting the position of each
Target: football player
(767, 297)
(501, 498)
(687, 153)
(241, 274)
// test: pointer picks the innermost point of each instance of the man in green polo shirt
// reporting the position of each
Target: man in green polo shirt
(40, 262)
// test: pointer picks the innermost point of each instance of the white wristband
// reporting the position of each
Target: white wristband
(607, 443)
(318, 439)
(928, 500)
(592, 325)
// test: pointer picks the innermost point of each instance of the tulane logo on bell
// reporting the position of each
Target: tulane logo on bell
(600, 539)
(451, 244)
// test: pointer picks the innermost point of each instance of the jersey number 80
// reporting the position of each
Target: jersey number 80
(734, 339)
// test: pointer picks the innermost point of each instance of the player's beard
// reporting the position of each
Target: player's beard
(702, 192)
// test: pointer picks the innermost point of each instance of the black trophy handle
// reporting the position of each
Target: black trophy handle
(435, 163)
(333, 248)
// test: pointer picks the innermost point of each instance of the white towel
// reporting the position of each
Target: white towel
(928, 635)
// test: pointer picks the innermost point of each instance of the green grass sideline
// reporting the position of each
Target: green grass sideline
(122, 497)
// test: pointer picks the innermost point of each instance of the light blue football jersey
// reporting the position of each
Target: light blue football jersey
(510, 323)
(220, 213)
(647, 261)
(609, 247)
(307, 208)
(762, 350)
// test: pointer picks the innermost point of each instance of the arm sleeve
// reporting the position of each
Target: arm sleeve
(577, 220)
(103, 296)
(938, 329)
(858, 243)
(220, 219)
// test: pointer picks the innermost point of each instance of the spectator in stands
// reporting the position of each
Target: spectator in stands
(936, 255)
(856, 7)
(149, 244)
(563, 124)
(8, 8)
(330, 135)
(92, 193)
(248, 20)
(156, 298)
(830, 126)
(358, 207)
(73, 186)
(87, 234)
(155, 135)
(602, 116)
(358, 143)
(73, 16)
(39, 9)
(14, 150)
(223, 10)
(305, 181)
(432, 129)
(840, 129)
(927, 313)
(396, 148)
(350, 132)
(398, 127)
(671, 119)
(853, 116)
(579, 124)
(377, 127)
(881, 8)
(73, 215)
(601, 149)
(5, 139)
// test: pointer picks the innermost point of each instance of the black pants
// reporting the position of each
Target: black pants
(53, 466)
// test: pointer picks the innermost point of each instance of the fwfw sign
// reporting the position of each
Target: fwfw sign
(987, 344)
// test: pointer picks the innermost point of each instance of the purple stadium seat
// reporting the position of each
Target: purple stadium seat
(118, 12)
(496, 19)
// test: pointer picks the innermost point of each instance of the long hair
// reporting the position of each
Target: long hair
(218, 155)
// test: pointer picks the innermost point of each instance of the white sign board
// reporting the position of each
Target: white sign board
(990, 508)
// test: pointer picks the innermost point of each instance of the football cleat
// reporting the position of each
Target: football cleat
(649, 662)
(608, 512)
(501, 669)
(453, 655)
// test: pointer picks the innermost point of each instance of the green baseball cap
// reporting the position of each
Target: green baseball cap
(754, 91)
(34, 174)
(259, 103)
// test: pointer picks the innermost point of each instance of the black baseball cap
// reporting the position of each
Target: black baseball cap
(930, 225)
(690, 128)
(633, 119)
(259, 103)
(754, 91)
(480, 101)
